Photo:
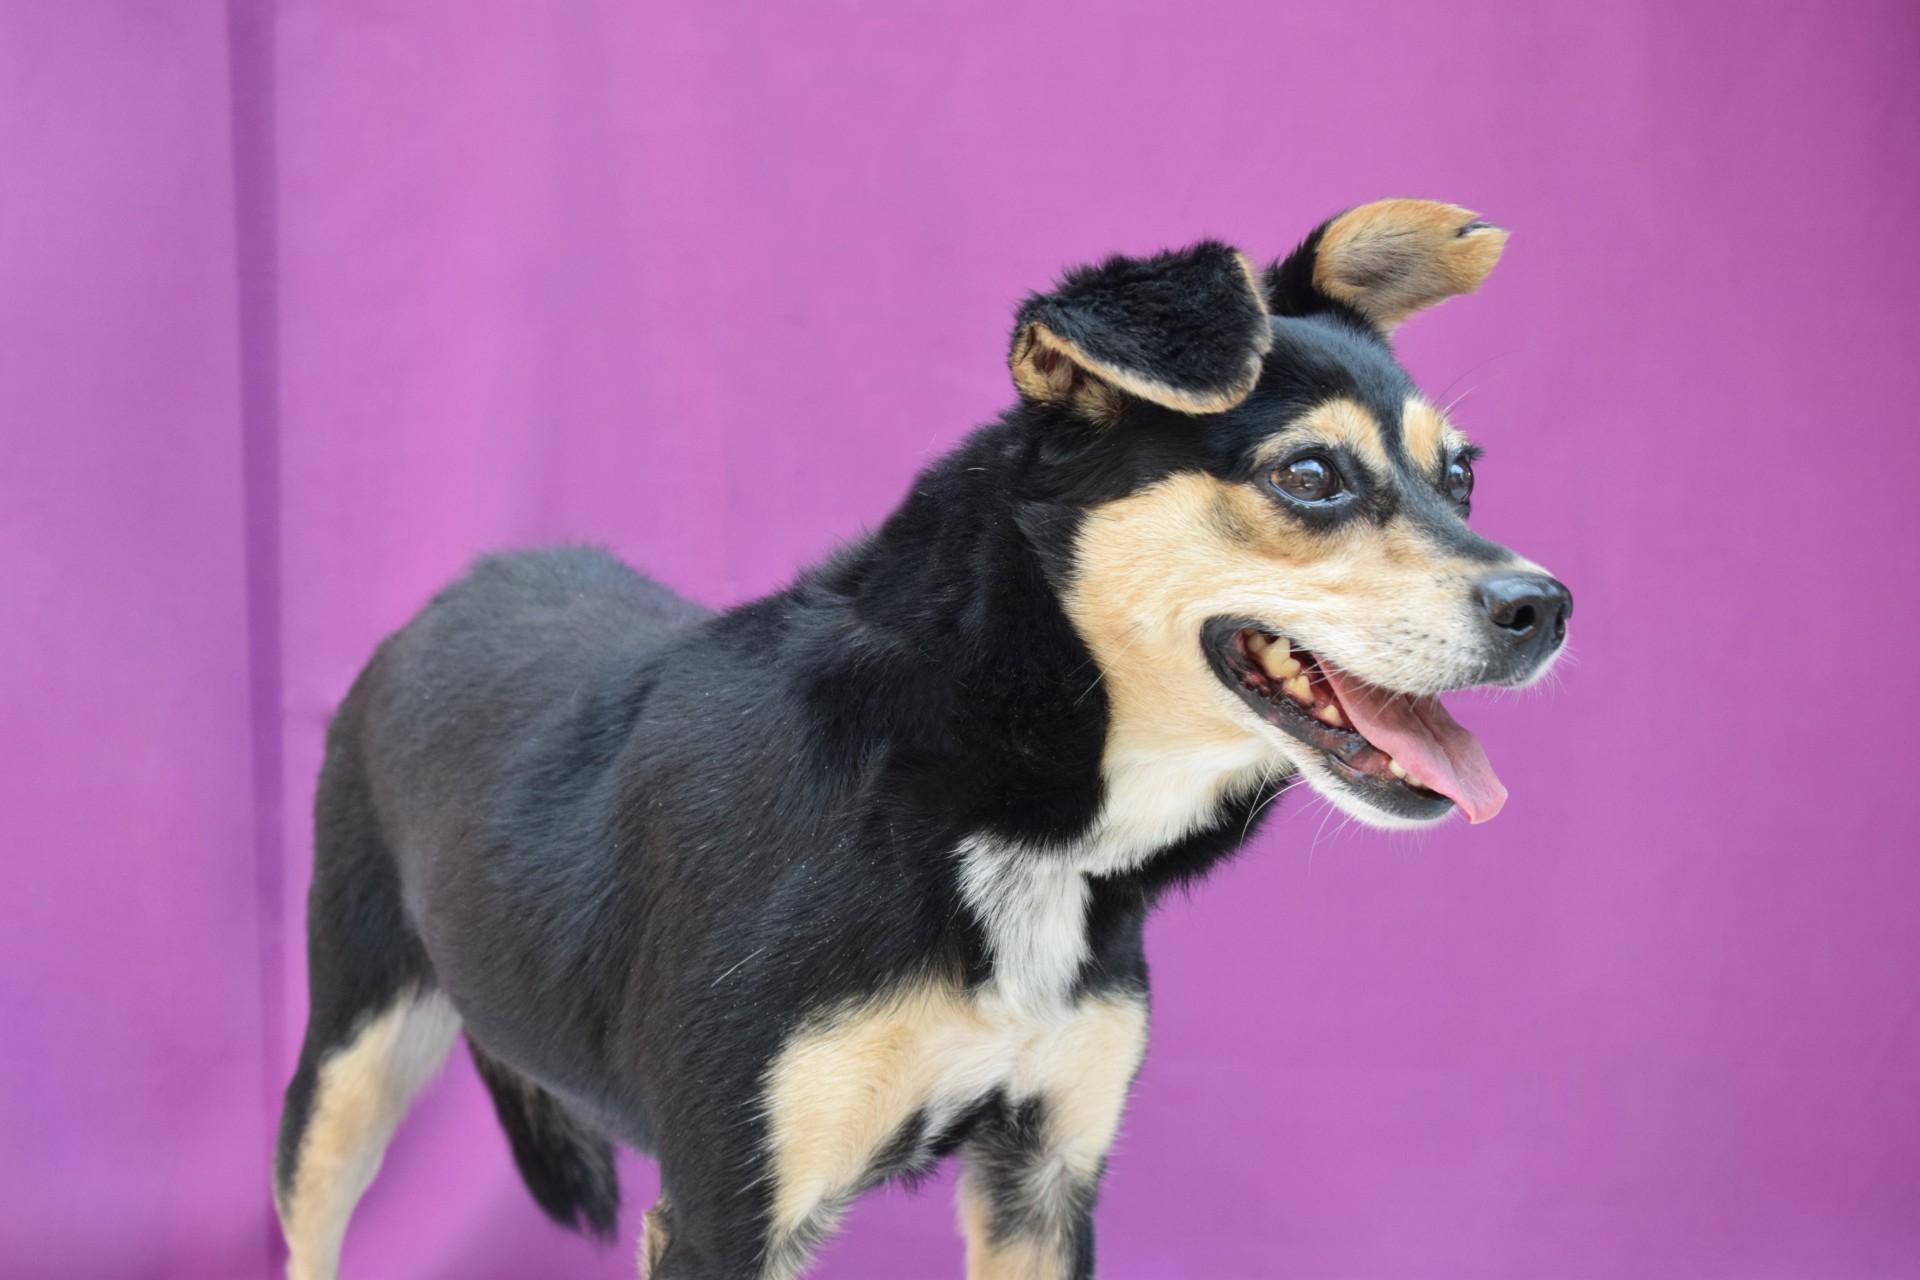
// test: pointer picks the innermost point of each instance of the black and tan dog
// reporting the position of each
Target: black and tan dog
(808, 894)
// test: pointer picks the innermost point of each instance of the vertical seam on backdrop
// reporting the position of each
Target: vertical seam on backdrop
(251, 122)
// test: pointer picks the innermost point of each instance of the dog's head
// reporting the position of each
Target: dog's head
(1271, 555)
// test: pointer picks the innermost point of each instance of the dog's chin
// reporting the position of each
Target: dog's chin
(1304, 720)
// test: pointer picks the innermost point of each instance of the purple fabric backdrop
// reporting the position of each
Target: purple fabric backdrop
(302, 305)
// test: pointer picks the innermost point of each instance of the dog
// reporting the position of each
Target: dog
(808, 894)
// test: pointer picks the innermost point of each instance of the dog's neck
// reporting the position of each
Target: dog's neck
(961, 627)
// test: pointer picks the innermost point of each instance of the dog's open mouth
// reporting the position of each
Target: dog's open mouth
(1400, 752)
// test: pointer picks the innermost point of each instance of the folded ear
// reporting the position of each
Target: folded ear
(1184, 330)
(1387, 260)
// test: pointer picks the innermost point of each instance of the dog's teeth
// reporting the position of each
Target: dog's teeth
(1299, 688)
(1331, 714)
(1257, 642)
(1277, 657)
(1397, 769)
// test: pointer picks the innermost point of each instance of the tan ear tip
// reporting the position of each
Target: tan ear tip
(1484, 240)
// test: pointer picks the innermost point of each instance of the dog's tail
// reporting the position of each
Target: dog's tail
(566, 1163)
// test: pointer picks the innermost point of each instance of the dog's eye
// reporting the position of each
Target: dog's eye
(1460, 480)
(1306, 480)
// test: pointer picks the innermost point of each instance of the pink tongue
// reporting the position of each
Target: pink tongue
(1429, 744)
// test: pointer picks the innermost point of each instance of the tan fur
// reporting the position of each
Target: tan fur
(362, 1093)
(653, 1237)
(977, 1227)
(1338, 422)
(1098, 1056)
(1395, 257)
(841, 1091)
(1043, 379)
(1025, 1258)
(1049, 368)
(1151, 568)
(1428, 436)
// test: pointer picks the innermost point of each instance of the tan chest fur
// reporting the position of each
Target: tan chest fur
(844, 1090)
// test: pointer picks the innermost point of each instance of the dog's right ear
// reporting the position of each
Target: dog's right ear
(1184, 330)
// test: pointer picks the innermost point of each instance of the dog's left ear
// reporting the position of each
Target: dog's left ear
(1184, 330)
(1387, 260)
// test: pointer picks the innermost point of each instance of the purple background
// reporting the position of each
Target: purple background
(302, 305)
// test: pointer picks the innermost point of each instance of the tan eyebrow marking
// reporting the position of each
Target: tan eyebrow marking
(1343, 422)
(1425, 432)
(1430, 438)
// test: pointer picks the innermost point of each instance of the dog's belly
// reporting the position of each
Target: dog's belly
(875, 1080)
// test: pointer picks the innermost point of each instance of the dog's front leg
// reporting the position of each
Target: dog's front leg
(716, 1238)
(1033, 1167)
(1027, 1210)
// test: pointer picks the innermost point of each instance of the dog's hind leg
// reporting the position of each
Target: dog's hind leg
(378, 1028)
(359, 1094)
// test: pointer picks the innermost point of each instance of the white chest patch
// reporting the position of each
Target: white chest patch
(1032, 902)
(1033, 906)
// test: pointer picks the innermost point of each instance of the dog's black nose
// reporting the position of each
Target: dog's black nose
(1529, 612)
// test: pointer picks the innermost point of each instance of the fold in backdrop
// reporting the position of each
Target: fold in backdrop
(303, 305)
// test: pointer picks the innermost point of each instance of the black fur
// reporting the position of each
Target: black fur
(567, 1164)
(1190, 320)
(362, 951)
(638, 844)
(1290, 287)
(1008, 1143)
